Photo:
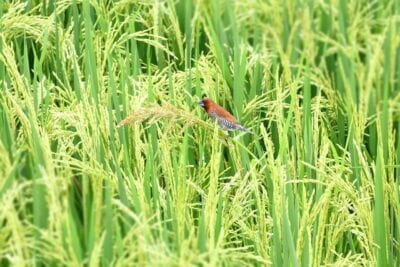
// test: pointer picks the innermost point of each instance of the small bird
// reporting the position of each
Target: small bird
(225, 120)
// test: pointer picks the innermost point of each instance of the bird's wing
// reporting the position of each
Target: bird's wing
(225, 114)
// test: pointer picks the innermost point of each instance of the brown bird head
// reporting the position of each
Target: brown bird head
(206, 103)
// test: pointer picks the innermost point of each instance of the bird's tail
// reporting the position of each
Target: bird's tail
(245, 130)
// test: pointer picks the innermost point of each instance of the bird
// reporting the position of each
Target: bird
(217, 113)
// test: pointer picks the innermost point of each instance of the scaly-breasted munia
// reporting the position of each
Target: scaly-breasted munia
(225, 120)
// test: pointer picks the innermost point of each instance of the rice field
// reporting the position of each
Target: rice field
(107, 160)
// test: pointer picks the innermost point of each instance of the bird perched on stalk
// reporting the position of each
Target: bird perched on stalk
(225, 120)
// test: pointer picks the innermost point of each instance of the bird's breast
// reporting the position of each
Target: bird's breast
(212, 115)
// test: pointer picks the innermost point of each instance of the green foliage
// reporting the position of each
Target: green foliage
(106, 159)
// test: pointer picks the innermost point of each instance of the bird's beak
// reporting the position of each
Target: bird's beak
(201, 104)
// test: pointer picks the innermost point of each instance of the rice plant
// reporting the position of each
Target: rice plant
(106, 159)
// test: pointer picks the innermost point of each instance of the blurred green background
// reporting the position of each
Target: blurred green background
(316, 81)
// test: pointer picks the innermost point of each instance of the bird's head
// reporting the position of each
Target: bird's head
(205, 103)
